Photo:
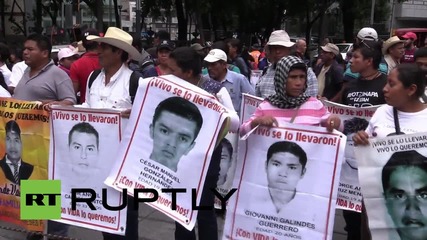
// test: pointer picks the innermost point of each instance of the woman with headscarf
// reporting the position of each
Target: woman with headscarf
(290, 104)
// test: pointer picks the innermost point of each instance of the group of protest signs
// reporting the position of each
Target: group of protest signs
(285, 182)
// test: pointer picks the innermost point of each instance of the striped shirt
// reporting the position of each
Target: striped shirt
(312, 112)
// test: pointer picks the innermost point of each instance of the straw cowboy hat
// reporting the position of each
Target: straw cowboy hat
(390, 42)
(120, 39)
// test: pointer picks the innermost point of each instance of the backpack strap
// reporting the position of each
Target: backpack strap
(133, 85)
(93, 76)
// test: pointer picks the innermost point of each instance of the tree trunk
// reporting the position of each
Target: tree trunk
(200, 25)
(348, 15)
(99, 15)
(182, 21)
(3, 24)
(117, 14)
(39, 11)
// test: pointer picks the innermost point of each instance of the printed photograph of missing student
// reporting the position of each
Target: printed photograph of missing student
(83, 146)
(12, 164)
(226, 161)
(351, 126)
(285, 166)
(174, 129)
(404, 182)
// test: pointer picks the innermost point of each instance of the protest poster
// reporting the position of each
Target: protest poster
(287, 181)
(84, 143)
(393, 178)
(24, 130)
(249, 104)
(354, 120)
(168, 144)
(255, 75)
(227, 165)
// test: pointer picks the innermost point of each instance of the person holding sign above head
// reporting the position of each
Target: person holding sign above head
(290, 104)
(83, 144)
(185, 64)
(285, 167)
(404, 181)
(12, 165)
(176, 124)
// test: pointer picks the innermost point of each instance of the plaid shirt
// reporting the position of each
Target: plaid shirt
(265, 85)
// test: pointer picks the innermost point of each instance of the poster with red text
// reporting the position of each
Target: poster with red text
(167, 146)
(393, 179)
(354, 120)
(24, 149)
(84, 143)
(249, 105)
(287, 181)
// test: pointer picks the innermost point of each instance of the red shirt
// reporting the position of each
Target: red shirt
(81, 69)
(408, 56)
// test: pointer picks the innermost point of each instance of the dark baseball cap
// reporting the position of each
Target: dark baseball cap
(89, 31)
(166, 44)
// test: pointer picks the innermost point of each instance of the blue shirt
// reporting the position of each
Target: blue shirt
(349, 75)
(236, 84)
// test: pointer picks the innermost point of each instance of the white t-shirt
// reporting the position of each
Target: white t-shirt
(382, 122)
(6, 73)
(17, 72)
(4, 92)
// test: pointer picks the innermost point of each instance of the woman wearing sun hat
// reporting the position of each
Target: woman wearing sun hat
(393, 50)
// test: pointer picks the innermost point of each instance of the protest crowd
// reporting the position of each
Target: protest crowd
(104, 71)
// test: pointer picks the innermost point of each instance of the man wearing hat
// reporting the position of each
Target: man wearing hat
(163, 50)
(81, 69)
(408, 56)
(66, 57)
(279, 45)
(329, 73)
(235, 83)
(110, 89)
(393, 50)
(365, 34)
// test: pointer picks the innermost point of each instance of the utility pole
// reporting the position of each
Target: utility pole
(138, 19)
(372, 13)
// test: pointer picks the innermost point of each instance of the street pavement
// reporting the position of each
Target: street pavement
(153, 225)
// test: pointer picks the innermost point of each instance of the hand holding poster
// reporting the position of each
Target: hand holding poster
(84, 143)
(393, 177)
(287, 181)
(168, 144)
(354, 120)
(249, 105)
(24, 130)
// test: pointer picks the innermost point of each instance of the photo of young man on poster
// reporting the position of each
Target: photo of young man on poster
(83, 145)
(174, 129)
(14, 168)
(286, 166)
(226, 161)
(404, 182)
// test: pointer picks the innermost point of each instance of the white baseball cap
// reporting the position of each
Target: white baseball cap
(280, 38)
(367, 33)
(65, 53)
(216, 55)
(332, 48)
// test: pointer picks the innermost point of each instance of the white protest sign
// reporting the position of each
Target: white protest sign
(168, 144)
(287, 180)
(83, 145)
(354, 120)
(393, 178)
